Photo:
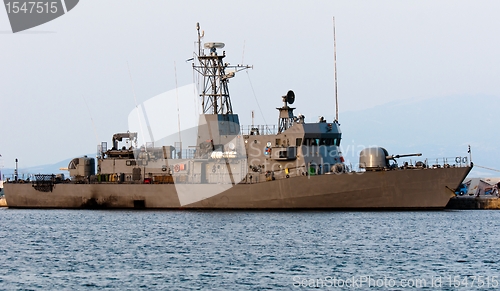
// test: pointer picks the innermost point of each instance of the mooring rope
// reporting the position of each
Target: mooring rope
(486, 168)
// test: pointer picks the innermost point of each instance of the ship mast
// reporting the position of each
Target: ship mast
(215, 93)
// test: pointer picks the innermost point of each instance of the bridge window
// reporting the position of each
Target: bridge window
(318, 141)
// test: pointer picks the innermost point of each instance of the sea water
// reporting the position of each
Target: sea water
(249, 250)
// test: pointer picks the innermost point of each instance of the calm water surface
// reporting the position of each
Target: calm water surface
(226, 250)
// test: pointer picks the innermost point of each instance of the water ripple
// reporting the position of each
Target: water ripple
(177, 250)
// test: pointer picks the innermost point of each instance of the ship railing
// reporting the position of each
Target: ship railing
(22, 177)
(446, 162)
(186, 154)
(433, 163)
(259, 129)
(32, 178)
(179, 152)
(427, 163)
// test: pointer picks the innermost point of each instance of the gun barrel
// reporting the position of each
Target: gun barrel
(402, 156)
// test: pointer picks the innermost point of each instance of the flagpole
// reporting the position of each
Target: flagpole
(470, 155)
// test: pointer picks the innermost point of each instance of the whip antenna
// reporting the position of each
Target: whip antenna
(178, 110)
(335, 69)
(138, 114)
(91, 119)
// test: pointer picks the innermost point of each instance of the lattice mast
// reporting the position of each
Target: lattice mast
(215, 92)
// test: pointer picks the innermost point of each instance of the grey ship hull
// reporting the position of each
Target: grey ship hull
(396, 189)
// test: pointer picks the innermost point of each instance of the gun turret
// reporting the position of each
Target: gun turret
(377, 158)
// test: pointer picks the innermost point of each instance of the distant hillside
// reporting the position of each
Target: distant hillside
(437, 128)
(42, 169)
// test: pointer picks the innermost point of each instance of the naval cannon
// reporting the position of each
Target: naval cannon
(377, 159)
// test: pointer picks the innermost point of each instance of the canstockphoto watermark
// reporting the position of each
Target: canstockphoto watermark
(27, 14)
(367, 281)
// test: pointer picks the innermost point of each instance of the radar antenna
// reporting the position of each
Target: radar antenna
(215, 91)
(286, 113)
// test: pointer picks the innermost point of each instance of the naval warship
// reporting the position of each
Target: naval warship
(293, 165)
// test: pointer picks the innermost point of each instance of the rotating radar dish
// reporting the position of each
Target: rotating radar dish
(290, 97)
(211, 45)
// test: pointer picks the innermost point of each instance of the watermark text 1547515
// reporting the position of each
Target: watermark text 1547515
(25, 14)
(31, 7)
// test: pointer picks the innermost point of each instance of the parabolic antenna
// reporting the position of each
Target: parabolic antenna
(210, 45)
(290, 97)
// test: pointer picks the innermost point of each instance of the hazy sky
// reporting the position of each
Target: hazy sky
(386, 51)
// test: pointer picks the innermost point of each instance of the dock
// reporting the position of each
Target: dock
(474, 203)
